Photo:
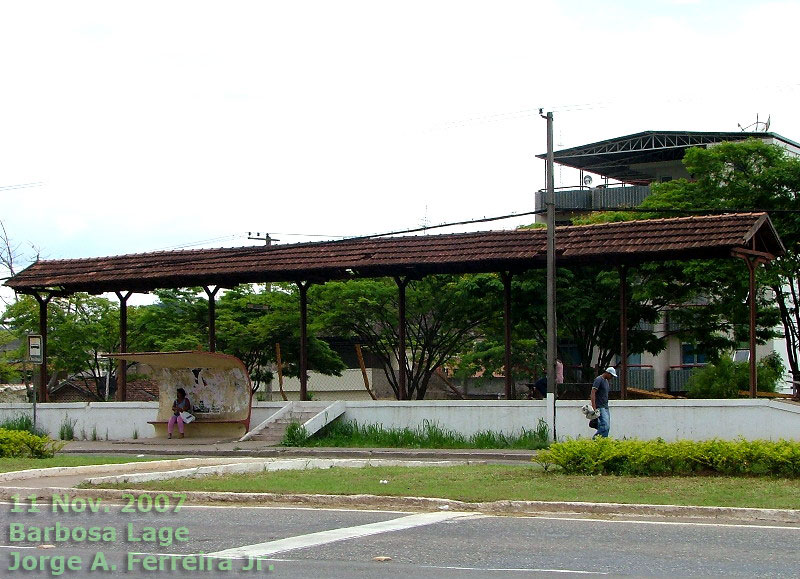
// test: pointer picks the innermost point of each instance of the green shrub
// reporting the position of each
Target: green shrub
(659, 458)
(726, 378)
(22, 422)
(20, 443)
(295, 435)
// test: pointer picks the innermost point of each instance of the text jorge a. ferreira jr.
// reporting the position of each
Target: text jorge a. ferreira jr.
(172, 563)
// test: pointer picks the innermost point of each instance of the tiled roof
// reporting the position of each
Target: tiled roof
(612, 243)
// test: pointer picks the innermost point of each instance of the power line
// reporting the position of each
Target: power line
(579, 107)
(20, 186)
(691, 211)
(201, 242)
(441, 225)
(490, 219)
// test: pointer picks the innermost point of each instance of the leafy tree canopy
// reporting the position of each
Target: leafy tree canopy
(443, 313)
(707, 299)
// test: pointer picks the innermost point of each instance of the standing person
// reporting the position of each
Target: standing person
(600, 388)
(181, 404)
(539, 388)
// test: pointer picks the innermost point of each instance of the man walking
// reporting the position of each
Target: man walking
(600, 388)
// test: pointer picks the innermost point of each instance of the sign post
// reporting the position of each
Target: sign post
(35, 348)
(35, 356)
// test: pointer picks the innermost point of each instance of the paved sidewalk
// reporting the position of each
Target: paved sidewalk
(196, 447)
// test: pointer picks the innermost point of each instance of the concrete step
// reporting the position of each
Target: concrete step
(272, 431)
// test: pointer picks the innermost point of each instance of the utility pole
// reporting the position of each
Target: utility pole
(266, 239)
(550, 202)
(268, 242)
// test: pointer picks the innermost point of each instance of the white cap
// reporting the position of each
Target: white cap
(611, 371)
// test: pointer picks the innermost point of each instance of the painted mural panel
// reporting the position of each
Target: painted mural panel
(215, 394)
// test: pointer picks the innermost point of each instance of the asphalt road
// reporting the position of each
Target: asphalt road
(344, 543)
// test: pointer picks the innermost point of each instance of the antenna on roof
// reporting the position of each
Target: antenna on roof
(758, 126)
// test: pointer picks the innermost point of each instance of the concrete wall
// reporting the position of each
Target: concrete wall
(644, 419)
(112, 420)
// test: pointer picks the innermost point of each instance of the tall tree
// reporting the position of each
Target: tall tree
(707, 299)
(177, 321)
(80, 329)
(588, 320)
(251, 321)
(443, 313)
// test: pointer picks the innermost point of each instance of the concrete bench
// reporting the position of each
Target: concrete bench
(205, 427)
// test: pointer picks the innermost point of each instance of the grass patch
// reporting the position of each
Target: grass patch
(67, 429)
(476, 483)
(18, 463)
(429, 435)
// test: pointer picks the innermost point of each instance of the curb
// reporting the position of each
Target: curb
(132, 467)
(307, 452)
(520, 508)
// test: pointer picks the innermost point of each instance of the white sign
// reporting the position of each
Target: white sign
(35, 353)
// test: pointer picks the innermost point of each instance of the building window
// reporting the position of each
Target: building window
(633, 360)
(690, 356)
(741, 355)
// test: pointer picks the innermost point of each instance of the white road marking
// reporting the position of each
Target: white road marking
(665, 523)
(343, 534)
(512, 570)
(457, 568)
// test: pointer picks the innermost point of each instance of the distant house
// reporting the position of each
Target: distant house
(72, 390)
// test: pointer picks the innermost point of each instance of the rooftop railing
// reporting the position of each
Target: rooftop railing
(603, 197)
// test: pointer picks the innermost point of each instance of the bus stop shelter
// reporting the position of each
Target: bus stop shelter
(747, 236)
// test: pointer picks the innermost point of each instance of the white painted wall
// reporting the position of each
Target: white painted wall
(113, 420)
(644, 419)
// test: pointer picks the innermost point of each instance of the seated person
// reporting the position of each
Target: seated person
(181, 404)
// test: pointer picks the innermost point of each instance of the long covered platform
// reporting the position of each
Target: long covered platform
(749, 236)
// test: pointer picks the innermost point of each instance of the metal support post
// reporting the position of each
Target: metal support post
(303, 287)
(623, 331)
(43, 301)
(122, 373)
(212, 318)
(751, 301)
(401, 282)
(509, 378)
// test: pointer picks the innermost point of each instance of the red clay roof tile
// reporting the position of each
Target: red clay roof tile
(611, 243)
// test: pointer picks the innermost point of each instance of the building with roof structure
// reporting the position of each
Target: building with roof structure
(616, 174)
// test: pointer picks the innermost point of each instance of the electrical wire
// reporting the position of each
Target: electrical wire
(342, 238)
(201, 242)
(20, 186)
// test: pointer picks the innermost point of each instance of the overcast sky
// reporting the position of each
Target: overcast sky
(155, 125)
